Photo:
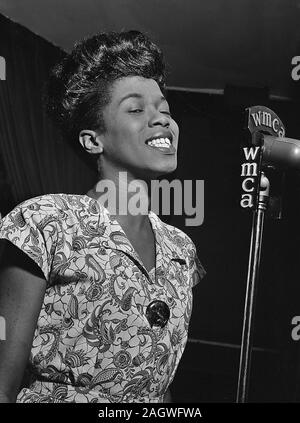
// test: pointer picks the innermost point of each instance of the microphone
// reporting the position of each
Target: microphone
(281, 152)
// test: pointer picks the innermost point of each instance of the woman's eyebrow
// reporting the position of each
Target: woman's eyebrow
(130, 95)
(139, 96)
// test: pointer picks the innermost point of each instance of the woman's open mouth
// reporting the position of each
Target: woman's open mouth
(163, 145)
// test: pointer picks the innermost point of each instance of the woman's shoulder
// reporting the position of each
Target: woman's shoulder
(40, 225)
(59, 201)
(55, 204)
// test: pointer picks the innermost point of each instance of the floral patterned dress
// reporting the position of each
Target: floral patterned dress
(93, 342)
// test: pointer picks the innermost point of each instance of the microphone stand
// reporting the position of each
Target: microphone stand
(252, 278)
(261, 150)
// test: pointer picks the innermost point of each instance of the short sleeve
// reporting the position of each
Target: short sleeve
(196, 270)
(28, 226)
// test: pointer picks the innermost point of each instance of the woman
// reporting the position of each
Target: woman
(101, 300)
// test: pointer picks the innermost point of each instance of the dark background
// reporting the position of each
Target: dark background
(210, 143)
(211, 137)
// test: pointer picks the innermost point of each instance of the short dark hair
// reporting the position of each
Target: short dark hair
(78, 87)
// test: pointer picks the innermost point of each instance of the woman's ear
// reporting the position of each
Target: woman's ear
(91, 141)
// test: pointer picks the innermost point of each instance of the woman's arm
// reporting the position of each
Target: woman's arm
(22, 289)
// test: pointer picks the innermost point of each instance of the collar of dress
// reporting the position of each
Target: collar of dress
(167, 239)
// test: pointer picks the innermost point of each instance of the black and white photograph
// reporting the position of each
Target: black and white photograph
(149, 205)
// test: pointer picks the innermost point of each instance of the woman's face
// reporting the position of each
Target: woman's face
(140, 136)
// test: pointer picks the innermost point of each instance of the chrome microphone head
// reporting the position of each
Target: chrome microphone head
(281, 152)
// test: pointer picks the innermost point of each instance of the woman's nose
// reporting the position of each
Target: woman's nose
(159, 118)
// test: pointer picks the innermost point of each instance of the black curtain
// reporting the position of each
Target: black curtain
(34, 157)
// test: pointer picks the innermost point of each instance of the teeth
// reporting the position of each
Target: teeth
(160, 142)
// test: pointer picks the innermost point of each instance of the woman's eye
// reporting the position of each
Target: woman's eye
(135, 111)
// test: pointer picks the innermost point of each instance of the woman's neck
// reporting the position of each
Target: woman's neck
(127, 199)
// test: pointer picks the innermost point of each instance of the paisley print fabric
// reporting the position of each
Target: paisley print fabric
(93, 342)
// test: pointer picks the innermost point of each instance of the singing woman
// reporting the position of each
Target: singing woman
(97, 302)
